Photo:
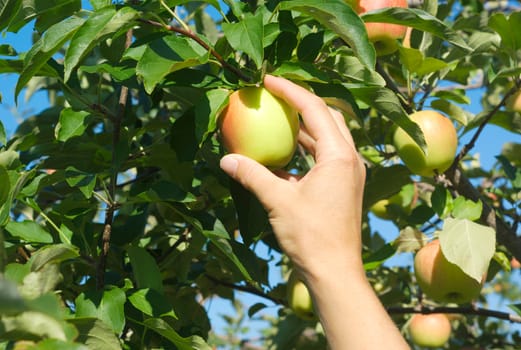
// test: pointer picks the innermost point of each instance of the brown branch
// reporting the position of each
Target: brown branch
(391, 85)
(109, 214)
(247, 289)
(466, 310)
(465, 150)
(201, 42)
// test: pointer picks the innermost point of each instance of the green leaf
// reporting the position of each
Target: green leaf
(168, 54)
(152, 303)
(33, 324)
(56, 344)
(84, 181)
(247, 36)
(441, 201)
(42, 51)
(95, 334)
(469, 245)
(194, 342)
(301, 71)
(255, 308)
(98, 26)
(11, 302)
(44, 12)
(107, 305)
(513, 173)
(467, 209)
(417, 19)
(3, 136)
(416, 63)
(507, 28)
(207, 111)
(383, 182)
(377, 258)
(72, 123)
(516, 308)
(146, 271)
(387, 103)
(29, 231)
(339, 17)
(55, 253)
(5, 188)
(7, 50)
(456, 112)
(8, 10)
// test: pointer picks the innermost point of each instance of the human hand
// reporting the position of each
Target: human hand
(316, 218)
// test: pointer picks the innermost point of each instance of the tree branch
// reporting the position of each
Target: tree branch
(201, 42)
(467, 310)
(465, 150)
(247, 289)
(109, 215)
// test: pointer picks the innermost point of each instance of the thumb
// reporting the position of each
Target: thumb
(255, 177)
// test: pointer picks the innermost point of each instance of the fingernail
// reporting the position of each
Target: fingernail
(229, 164)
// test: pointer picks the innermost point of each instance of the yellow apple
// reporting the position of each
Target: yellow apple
(441, 280)
(299, 299)
(513, 103)
(430, 330)
(259, 125)
(441, 140)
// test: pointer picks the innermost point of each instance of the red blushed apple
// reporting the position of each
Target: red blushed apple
(441, 140)
(259, 125)
(441, 280)
(382, 35)
(431, 330)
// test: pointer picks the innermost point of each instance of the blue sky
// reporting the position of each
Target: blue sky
(488, 146)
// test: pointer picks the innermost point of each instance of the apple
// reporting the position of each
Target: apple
(513, 103)
(405, 199)
(259, 125)
(382, 35)
(430, 330)
(441, 140)
(299, 299)
(441, 280)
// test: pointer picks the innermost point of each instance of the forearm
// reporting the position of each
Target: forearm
(351, 313)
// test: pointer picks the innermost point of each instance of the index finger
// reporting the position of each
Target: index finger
(314, 111)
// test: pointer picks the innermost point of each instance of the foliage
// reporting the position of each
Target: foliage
(116, 223)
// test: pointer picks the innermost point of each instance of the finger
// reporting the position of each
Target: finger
(306, 140)
(253, 176)
(312, 108)
(342, 127)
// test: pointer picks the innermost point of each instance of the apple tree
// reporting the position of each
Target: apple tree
(118, 228)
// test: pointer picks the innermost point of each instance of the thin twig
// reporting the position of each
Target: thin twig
(201, 42)
(109, 214)
(247, 289)
(466, 310)
(465, 150)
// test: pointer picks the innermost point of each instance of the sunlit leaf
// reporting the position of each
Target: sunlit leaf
(29, 231)
(469, 245)
(99, 25)
(107, 305)
(247, 36)
(417, 19)
(182, 343)
(339, 17)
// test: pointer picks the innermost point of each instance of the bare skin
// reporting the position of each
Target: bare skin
(317, 222)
